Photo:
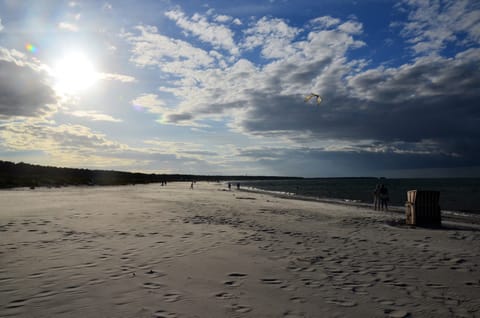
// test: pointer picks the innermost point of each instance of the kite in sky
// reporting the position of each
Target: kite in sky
(309, 97)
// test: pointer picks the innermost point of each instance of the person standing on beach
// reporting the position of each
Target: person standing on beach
(376, 197)
(384, 197)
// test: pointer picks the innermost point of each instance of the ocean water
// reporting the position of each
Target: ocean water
(456, 194)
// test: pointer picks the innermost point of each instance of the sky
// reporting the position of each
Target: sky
(219, 87)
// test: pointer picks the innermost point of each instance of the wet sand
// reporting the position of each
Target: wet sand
(152, 251)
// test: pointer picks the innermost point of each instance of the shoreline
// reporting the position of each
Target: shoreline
(457, 216)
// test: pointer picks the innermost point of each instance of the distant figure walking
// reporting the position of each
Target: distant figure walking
(238, 186)
(384, 197)
(376, 197)
(191, 185)
(229, 186)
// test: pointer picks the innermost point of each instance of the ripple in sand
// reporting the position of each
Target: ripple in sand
(342, 302)
(435, 285)
(16, 303)
(5, 279)
(115, 275)
(95, 281)
(45, 293)
(72, 288)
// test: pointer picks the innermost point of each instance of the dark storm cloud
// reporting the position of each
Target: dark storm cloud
(435, 99)
(322, 162)
(176, 118)
(23, 91)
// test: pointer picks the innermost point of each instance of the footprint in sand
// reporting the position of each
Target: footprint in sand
(288, 288)
(271, 281)
(172, 297)
(473, 283)
(232, 283)
(240, 308)
(237, 275)
(312, 283)
(152, 285)
(298, 300)
(342, 302)
(153, 273)
(164, 314)
(397, 313)
(293, 314)
(223, 295)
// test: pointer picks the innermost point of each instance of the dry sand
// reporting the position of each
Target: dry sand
(152, 251)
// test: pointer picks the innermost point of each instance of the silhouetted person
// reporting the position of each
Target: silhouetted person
(191, 185)
(376, 197)
(238, 186)
(384, 197)
(229, 186)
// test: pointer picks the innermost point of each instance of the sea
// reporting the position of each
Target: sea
(460, 195)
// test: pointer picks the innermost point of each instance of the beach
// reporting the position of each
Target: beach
(171, 251)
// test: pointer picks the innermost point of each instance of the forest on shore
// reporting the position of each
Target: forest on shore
(28, 175)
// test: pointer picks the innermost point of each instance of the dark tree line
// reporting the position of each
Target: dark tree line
(28, 175)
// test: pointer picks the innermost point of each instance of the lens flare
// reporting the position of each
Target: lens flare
(31, 48)
(138, 108)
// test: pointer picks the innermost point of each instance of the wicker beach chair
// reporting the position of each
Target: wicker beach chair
(422, 208)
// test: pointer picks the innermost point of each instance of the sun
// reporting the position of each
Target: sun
(74, 73)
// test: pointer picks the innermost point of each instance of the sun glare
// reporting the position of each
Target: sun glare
(73, 73)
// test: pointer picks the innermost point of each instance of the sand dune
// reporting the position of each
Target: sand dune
(151, 251)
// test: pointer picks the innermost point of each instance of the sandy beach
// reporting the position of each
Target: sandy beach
(152, 251)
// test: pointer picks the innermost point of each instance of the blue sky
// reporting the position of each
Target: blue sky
(218, 87)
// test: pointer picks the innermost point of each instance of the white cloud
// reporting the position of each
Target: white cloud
(68, 27)
(223, 18)
(316, 63)
(71, 145)
(325, 22)
(351, 27)
(432, 25)
(173, 56)
(274, 35)
(95, 116)
(218, 35)
(151, 103)
(117, 77)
